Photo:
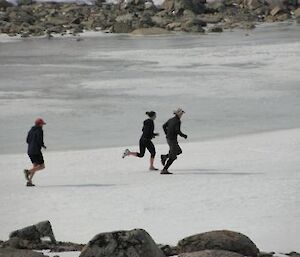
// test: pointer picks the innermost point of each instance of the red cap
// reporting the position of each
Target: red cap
(39, 122)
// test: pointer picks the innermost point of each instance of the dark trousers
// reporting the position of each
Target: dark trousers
(146, 144)
(174, 151)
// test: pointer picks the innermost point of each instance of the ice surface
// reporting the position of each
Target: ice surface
(94, 93)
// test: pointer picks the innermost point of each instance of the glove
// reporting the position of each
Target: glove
(185, 136)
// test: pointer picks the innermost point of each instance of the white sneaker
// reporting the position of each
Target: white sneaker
(126, 153)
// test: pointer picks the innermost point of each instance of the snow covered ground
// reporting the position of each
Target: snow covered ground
(247, 183)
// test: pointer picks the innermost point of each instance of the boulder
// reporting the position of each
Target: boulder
(4, 4)
(297, 12)
(150, 31)
(160, 21)
(210, 18)
(216, 6)
(215, 29)
(219, 240)
(253, 4)
(168, 250)
(8, 252)
(211, 253)
(178, 6)
(132, 243)
(35, 232)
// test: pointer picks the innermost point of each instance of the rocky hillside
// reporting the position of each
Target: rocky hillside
(197, 16)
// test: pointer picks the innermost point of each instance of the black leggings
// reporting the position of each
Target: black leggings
(146, 143)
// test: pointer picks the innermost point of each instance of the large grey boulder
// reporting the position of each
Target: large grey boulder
(219, 240)
(34, 233)
(211, 253)
(132, 243)
(8, 252)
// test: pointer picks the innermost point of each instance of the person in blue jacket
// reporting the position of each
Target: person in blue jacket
(146, 140)
(35, 141)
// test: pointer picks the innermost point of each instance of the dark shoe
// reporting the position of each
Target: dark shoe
(165, 172)
(152, 168)
(163, 159)
(26, 173)
(29, 184)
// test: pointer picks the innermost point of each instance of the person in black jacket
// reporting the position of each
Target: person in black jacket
(172, 130)
(145, 140)
(35, 141)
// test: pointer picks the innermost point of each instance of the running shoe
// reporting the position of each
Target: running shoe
(126, 153)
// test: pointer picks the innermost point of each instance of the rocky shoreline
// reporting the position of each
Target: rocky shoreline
(141, 16)
(132, 243)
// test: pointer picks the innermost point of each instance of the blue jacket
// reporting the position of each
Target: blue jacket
(35, 140)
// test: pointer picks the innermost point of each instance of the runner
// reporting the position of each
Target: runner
(145, 140)
(172, 130)
(35, 141)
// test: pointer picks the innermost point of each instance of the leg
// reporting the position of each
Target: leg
(36, 167)
(143, 144)
(174, 151)
(151, 148)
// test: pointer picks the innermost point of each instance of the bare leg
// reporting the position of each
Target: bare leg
(36, 167)
(133, 154)
(152, 164)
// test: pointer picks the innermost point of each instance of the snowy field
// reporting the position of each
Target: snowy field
(247, 183)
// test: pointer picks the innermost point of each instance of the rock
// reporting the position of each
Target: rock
(178, 6)
(211, 253)
(293, 254)
(176, 26)
(215, 29)
(35, 232)
(266, 254)
(168, 250)
(133, 243)
(4, 4)
(210, 18)
(283, 17)
(193, 25)
(8, 252)
(270, 18)
(297, 12)
(216, 6)
(159, 21)
(275, 10)
(253, 4)
(25, 2)
(219, 240)
(150, 31)
(247, 25)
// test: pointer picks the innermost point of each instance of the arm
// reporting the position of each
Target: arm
(41, 139)
(165, 127)
(178, 130)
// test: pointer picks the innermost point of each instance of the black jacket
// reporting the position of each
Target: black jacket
(172, 128)
(148, 129)
(35, 140)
